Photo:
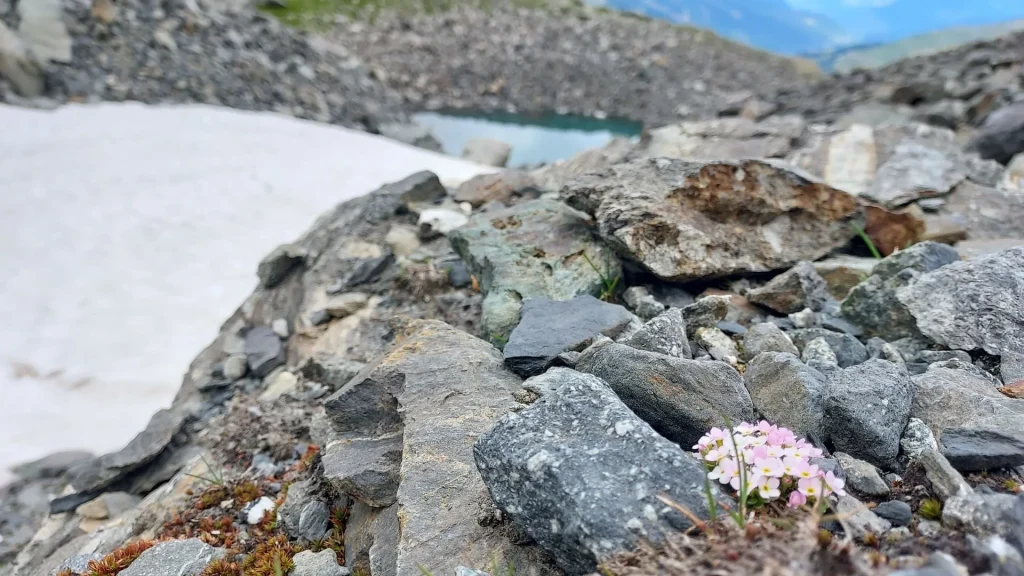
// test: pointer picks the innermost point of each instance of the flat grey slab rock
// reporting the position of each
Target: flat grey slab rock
(178, 557)
(550, 327)
(581, 473)
(681, 399)
(976, 304)
(365, 468)
(687, 220)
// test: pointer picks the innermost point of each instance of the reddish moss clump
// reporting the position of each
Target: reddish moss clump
(247, 491)
(270, 557)
(223, 567)
(119, 559)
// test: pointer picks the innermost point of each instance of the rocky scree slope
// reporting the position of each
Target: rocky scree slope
(580, 61)
(186, 52)
(512, 373)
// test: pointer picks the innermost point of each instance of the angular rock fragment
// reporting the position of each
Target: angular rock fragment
(913, 171)
(537, 249)
(686, 220)
(276, 266)
(665, 334)
(848, 350)
(366, 469)
(549, 328)
(263, 350)
(705, 313)
(861, 476)
(873, 304)
(640, 300)
(582, 474)
(681, 399)
(787, 392)
(795, 289)
(766, 337)
(866, 409)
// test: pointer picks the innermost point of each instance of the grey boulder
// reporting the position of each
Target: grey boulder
(687, 220)
(277, 265)
(787, 392)
(795, 289)
(1001, 136)
(896, 512)
(550, 327)
(681, 399)
(866, 409)
(861, 476)
(581, 474)
(975, 304)
(873, 304)
(366, 469)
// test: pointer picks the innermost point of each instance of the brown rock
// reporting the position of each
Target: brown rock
(687, 220)
(893, 230)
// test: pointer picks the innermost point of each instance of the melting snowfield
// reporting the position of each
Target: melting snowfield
(129, 233)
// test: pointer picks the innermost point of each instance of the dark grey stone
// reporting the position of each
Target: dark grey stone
(866, 409)
(837, 324)
(705, 313)
(420, 188)
(289, 514)
(550, 327)
(314, 521)
(795, 289)
(971, 450)
(371, 539)
(97, 474)
(896, 512)
(330, 369)
(277, 265)
(929, 357)
(664, 334)
(458, 274)
(179, 557)
(365, 468)
(787, 392)
(848, 350)
(582, 474)
(319, 317)
(682, 399)
(976, 304)
(732, 328)
(766, 337)
(362, 271)
(263, 350)
(1001, 136)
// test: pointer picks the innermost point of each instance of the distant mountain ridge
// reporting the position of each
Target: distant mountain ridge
(796, 27)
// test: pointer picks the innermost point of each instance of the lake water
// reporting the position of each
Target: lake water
(534, 139)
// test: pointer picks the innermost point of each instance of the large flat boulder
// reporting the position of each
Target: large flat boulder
(975, 304)
(442, 388)
(685, 220)
(537, 249)
(681, 399)
(582, 474)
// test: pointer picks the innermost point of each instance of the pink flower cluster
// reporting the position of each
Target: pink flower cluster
(778, 465)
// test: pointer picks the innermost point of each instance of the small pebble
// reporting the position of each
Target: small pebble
(262, 506)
